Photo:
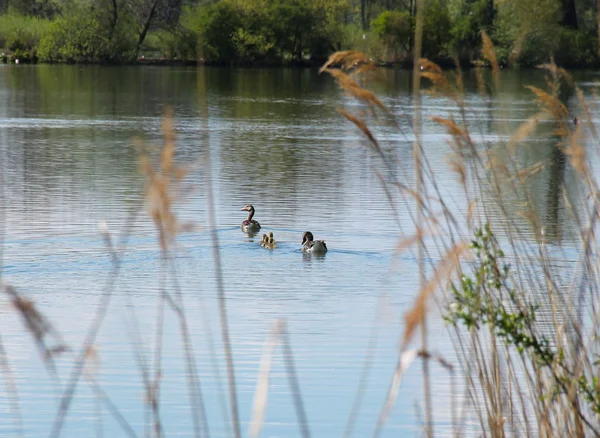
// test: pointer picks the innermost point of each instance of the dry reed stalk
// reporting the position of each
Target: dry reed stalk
(347, 60)
(163, 188)
(576, 152)
(524, 131)
(221, 296)
(360, 124)
(417, 159)
(350, 86)
(524, 174)
(462, 138)
(380, 316)
(489, 52)
(93, 330)
(588, 115)
(430, 70)
(406, 358)
(414, 317)
(163, 184)
(303, 423)
(526, 404)
(261, 394)
(480, 81)
(39, 327)
(12, 390)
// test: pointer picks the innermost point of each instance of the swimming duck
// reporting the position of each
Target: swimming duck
(313, 246)
(250, 225)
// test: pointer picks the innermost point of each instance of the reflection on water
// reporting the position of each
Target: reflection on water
(67, 162)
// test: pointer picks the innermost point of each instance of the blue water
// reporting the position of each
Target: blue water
(67, 163)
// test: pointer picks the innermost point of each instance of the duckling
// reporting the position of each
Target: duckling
(313, 246)
(250, 225)
(264, 241)
(271, 243)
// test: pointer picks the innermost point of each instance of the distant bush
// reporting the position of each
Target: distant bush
(175, 44)
(395, 30)
(436, 30)
(525, 38)
(576, 48)
(215, 25)
(250, 31)
(354, 38)
(21, 35)
(82, 37)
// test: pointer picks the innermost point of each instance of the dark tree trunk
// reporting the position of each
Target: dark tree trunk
(598, 23)
(569, 17)
(146, 27)
(363, 17)
(490, 15)
(114, 18)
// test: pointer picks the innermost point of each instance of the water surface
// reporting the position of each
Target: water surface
(276, 140)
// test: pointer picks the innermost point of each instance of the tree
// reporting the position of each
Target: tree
(394, 29)
(569, 17)
(598, 24)
(468, 18)
(35, 8)
(153, 14)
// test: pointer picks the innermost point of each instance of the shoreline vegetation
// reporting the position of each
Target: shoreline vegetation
(296, 33)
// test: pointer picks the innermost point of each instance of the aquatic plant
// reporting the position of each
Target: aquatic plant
(514, 361)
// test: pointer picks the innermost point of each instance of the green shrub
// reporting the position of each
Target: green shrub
(467, 22)
(527, 35)
(82, 37)
(395, 31)
(436, 30)
(36, 8)
(21, 35)
(253, 30)
(576, 48)
(354, 38)
(175, 44)
(252, 46)
(216, 25)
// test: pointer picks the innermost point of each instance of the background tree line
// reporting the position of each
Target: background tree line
(525, 32)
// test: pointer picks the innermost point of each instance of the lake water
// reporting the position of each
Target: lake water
(276, 140)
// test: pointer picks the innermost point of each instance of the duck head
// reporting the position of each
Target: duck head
(250, 209)
(307, 237)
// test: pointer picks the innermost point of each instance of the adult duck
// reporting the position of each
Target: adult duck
(313, 246)
(250, 225)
